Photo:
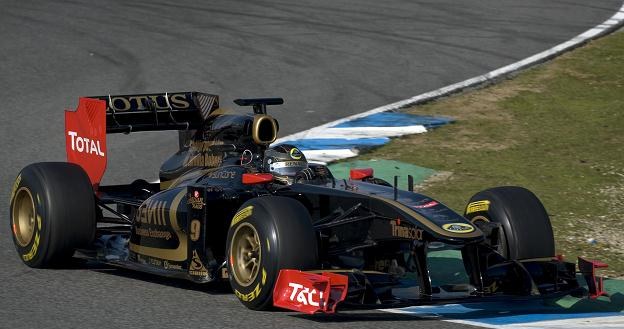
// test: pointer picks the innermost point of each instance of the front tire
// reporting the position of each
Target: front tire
(268, 234)
(52, 213)
(526, 229)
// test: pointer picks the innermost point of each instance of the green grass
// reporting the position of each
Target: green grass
(557, 129)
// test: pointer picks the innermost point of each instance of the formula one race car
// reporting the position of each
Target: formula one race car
(283, 231)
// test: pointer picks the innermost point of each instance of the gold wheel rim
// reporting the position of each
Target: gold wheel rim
(24, 217)
(245, 254)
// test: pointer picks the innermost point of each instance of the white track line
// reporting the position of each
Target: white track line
(324, 156)
(583, 323)
(370, 132)
(579, 323)
(607, 26)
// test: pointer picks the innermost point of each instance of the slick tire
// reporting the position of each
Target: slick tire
(52, 212)
(266, 235)
(527, 232)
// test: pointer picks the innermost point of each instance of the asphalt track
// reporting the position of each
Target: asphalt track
(328, 59)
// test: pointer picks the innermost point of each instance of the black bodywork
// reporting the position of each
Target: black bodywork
(376, 234)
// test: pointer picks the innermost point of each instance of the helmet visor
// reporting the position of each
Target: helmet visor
(287, 168)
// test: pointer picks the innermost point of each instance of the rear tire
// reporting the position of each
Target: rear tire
(52, 213)
(268, 233)
(527, 232)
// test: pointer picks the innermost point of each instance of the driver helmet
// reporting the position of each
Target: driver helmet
(284, 161)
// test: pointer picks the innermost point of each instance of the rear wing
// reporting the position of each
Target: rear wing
(152, 112)
(86, 128)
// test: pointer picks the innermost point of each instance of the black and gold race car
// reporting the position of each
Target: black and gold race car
(284, 232)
